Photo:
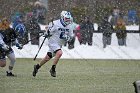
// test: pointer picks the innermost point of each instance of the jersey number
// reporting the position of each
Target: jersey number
(62, 35)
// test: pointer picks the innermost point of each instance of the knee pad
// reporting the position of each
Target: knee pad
(49, 54)
(57, 50)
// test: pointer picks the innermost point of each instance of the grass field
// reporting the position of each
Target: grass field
(73, 76)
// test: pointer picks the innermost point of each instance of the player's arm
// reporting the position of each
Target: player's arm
(2, 43)
(50, 29)
(18, 45)
(1, 39)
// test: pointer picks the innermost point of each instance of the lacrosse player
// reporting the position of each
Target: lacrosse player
(7, 36)
(58, 32)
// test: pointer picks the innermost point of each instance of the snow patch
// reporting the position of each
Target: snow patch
(96, 51)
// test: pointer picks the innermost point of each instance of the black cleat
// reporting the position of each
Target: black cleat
(53, 73)
(10, 74)
(35, 71)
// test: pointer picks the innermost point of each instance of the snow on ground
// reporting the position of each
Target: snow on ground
(96, 51)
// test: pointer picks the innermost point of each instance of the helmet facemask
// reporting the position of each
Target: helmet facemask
(66, 17)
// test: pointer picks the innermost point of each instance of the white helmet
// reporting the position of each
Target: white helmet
(66, 17)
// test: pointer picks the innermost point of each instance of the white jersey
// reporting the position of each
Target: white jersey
(59, 33)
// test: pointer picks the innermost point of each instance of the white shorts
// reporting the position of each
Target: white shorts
(53, 48)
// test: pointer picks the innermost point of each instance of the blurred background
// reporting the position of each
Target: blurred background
(96, 23)
(95, 9)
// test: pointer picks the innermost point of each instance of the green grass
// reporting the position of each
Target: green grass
(73, 76)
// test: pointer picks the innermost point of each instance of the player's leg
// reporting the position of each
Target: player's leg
(2, 59)
(12, 59)
(46, 58)
(42, 62)
(58, 54)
